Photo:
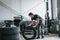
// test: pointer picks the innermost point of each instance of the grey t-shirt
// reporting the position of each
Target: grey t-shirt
(35, 18)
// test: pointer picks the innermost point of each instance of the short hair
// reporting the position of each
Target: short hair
(30, 13)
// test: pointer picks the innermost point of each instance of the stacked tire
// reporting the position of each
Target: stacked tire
(9, 33)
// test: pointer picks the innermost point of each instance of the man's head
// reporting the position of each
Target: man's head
(31, 14)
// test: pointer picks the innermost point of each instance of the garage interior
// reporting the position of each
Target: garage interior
(14, 14)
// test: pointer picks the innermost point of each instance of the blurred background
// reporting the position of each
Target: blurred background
(49, 10)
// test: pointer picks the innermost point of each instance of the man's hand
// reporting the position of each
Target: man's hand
(34, 26)
(29, 24)
(36, 23)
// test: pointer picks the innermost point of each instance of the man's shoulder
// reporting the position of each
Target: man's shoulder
(38, 16)
(35, 15)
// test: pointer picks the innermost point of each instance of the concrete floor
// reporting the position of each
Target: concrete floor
(46, 37)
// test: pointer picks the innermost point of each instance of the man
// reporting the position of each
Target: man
(38, 22)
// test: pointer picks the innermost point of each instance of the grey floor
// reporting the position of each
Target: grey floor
(46, 37)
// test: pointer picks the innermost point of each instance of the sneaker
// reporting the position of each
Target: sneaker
(42, 36)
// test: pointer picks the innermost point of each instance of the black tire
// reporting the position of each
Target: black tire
(34, 35)
(10, 30)
(10, 37)
(0, 34)
(2, 24)
(16, 22)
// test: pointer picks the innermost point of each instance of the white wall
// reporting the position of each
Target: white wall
(54, 9)
(58, 9)
(14, 4)
(22, 7)
(54, 3)
(7, 14)
(35, 6)
(50, 10)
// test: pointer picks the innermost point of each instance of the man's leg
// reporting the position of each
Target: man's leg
(42, 31)
(38, 29)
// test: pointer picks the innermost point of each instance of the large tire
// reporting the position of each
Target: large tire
(34, 34)
(10, 30)
(10, 37)
(9, 33)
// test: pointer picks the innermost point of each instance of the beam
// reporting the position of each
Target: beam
(9, 8)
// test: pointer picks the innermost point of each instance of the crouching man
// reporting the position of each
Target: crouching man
(38, 23)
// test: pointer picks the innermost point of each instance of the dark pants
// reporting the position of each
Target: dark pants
(40, 28)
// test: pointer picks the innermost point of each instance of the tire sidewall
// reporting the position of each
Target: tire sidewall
(32, 36)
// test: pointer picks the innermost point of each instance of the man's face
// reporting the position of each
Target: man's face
(31, 16)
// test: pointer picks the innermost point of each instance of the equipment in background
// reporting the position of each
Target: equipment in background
(53, 27)
(8, 23)
(47, 23)
(50, 25)
(17, 20)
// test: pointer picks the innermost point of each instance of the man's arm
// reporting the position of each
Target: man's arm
(37, 22)
(30, 23)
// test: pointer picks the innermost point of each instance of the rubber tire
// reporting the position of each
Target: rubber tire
(32, 36)
(2, 24)
(10, 37)
(10, 30)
